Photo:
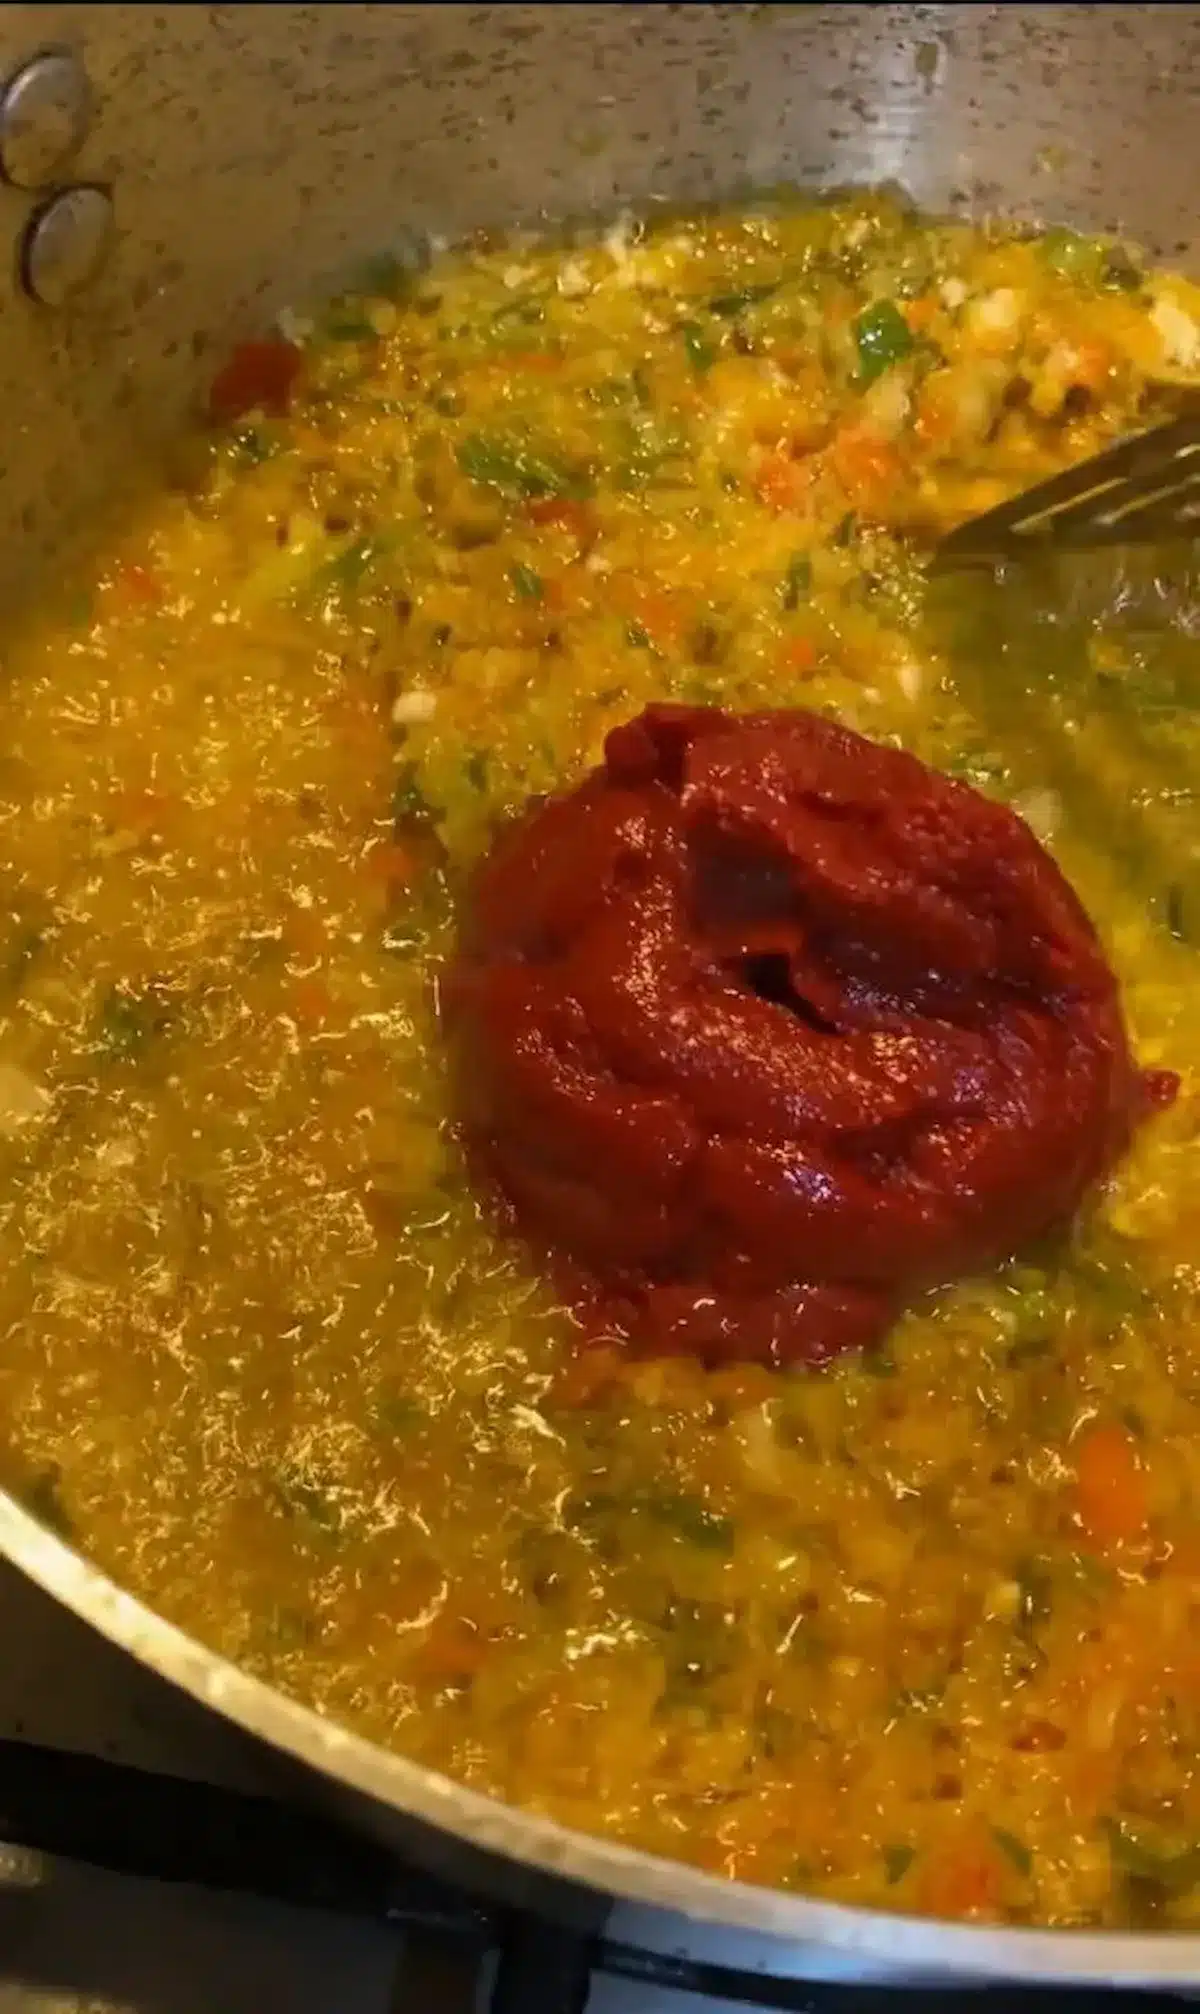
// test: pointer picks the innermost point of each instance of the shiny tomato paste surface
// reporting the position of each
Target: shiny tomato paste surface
(766, 1028)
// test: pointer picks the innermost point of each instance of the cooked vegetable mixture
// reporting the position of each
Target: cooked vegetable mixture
(922, 1630)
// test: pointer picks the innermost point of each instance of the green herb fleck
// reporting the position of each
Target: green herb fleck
(879, 1361)
(526, 582)
(897, 1860)
(797, 581)
(1030, 1350)
(1119, 273)
(883, 337)
(1035, 1593)
(397, 1412)
(299, 1498)
(513, 468)
(690, 1519)
(346, 569)
(1015, 1849)
(1135, 1857)
(729, 305)
(410, 806)
(129, 1021)
(350, 328)
(290, 1628)
(23, 947)
(701, 353)
(528, 309)
(42, 1497)
(388, 277)
(475, 769)
(250, 446)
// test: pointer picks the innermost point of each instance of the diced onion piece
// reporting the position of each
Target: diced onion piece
(22, 1099)
(412, 707)
(1180, 335)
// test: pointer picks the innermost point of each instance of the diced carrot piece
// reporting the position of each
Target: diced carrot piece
(390, 863)
(311, 1002)
(797, 656)
(863, 464)
(919, 313)
(1110, 1487)
(143, 811)
(541, 362)
(138, 583)
(782, 484)
(964, 1877)
(936, 417)
(662, 618)
(260, 374)
(304, 933)
(1093, 364)
(659, 612)
(452, 1652)
(565, 512)
(585, 1377)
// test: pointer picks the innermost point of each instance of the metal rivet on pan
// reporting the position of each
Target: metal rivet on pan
(45, 111)
(65, 243)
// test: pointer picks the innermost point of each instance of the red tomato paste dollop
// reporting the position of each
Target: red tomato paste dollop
(766, 1028)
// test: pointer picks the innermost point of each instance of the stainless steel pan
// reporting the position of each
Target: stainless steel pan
(176, 177)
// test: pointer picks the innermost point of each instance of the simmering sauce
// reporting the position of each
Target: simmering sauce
(917, 1630)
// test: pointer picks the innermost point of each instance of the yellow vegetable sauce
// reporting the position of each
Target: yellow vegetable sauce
(920, 1631)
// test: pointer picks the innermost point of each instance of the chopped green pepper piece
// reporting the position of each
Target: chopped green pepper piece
(475, 769)
(883, 337)
(1071, 255)
(897, 1860)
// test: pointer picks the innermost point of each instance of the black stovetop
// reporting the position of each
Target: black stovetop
(455, 1954)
